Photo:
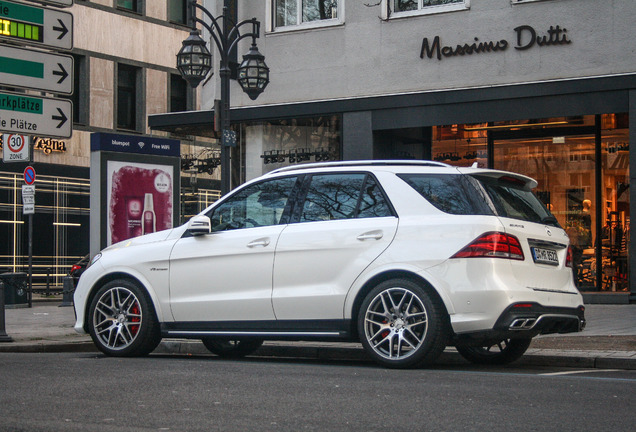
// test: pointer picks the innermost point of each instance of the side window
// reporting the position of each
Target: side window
(373, 203)
(261, 204)
(452, 194)
(343, 196)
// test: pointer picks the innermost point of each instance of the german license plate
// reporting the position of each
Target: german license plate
(545, 256)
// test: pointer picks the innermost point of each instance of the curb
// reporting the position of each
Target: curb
(332, 353)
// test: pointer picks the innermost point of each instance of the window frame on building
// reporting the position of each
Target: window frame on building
(186, 98)
(81, 88)
(388, 8)
(137, 108)
(172, 6)
(300, 25)
(136, 6)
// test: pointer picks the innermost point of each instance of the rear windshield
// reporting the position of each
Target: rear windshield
(454, 193)
(480, 195)
(512, 200)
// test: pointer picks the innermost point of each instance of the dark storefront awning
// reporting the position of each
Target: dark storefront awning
(582, 96)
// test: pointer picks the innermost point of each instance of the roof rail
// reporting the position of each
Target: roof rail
(356, 163)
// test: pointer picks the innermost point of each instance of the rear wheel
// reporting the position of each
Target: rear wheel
(232, 348)
(401, 325)
(501, 353)
(122, 320)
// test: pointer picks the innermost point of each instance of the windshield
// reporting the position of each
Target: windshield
(511, 199)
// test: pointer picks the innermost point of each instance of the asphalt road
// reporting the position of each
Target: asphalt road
(90, 392)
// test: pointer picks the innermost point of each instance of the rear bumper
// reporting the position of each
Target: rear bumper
(526, 320)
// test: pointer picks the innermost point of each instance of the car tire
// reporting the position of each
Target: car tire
(401, 325)
(232, 348)
(501, 353)
(122, 320)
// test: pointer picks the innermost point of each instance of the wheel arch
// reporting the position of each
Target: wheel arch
(109, 278)
(387, 275)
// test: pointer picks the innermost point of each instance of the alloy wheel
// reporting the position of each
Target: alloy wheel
(396, 323)
(117, 318)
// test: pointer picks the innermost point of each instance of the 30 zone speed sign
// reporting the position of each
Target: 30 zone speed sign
(15, 148)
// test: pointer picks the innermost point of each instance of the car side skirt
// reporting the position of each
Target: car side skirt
(280, 329)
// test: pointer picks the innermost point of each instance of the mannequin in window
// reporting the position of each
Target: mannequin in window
(585, 219)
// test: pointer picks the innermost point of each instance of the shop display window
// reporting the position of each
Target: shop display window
(274, 144)
(60, 226)
(561, 154)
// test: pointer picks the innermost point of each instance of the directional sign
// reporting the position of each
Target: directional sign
(36, 115)
(36, 25)
(15, 148)
(21, 67)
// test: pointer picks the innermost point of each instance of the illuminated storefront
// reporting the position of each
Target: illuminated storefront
(544, 88)
(561, 153)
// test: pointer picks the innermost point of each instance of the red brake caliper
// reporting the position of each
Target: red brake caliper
(135, 310)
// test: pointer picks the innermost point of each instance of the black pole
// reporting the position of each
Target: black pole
(30, 291)
(225, 116)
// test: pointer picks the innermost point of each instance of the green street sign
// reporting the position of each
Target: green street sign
(32, 115)
(36, 25)
(21, 67)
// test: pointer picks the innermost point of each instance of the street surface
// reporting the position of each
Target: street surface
(91, 392)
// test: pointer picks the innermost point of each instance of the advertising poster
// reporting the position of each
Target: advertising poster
(139, 199)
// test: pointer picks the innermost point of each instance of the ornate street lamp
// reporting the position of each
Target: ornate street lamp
(194, 62)
(253, 73)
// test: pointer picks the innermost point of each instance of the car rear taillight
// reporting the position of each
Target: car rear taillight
(75, 268)
(493, 245)
(568, 258)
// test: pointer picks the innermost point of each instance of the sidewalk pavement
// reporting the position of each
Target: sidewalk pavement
(608, 342)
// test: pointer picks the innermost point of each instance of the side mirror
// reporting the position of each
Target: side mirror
(199, 225)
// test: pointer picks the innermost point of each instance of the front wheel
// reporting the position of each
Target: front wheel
(500, 353)
(401, 325)
(122, 320)
(235, 348)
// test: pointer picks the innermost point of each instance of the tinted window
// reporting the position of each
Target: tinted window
(373, 203)
(452, 194)
(261, 204)
(343, 196)
(511, 199)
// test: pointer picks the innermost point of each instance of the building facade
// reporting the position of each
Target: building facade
(124, 70)
(546, 88)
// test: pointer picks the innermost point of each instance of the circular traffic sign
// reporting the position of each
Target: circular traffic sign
(29, 175)
(16, 143)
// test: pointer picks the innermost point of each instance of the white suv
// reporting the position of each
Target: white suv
(406, 257)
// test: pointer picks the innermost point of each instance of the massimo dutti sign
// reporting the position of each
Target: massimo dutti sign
(526, 37)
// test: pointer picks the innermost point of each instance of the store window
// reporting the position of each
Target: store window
(274, 144)
(128, 78)
(615, 234)
(291, 14)
(562, 155)
(418, 7)
(61, 226)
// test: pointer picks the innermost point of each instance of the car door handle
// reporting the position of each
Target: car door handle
(371, 235)
(259, 242)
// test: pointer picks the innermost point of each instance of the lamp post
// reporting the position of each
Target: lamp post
(194, 62)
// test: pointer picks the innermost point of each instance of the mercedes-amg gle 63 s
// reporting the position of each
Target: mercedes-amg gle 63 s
(406, 257)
